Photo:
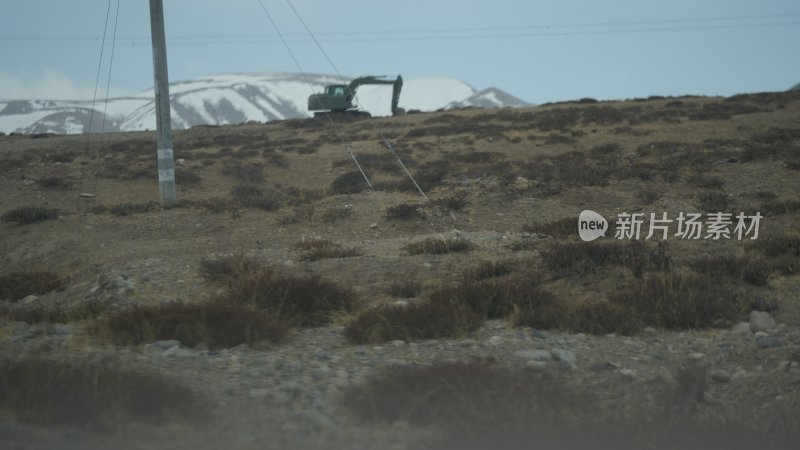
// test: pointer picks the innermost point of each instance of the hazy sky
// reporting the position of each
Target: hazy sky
(537, 50)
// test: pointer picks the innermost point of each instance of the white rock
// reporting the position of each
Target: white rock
(564, 355)
(534, 355)
(761, 321)
(720, 376)
(628, 373)
(741, 328)
(27, 300)
(494, 341)
(399, 343)
(536, 366)
(697, 356)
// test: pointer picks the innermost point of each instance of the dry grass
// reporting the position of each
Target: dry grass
(404, 211)
(420, 320)
(88, 394)
(496, 297)
(316, 249)
(438, 246)
(217, 324)
(17, 285)
(405, 288)
(30, 214)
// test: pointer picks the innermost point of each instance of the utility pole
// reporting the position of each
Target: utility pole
(166, 166)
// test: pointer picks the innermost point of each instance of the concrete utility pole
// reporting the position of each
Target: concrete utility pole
(166, 167)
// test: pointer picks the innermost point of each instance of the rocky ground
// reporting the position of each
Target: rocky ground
(291, 395)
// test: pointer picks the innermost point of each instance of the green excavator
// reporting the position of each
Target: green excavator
(338, 98)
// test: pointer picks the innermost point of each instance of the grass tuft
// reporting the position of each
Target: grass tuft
(30, 214)
(17, 285)
(438, 246)
(420, 320)
(217, 324)
(90, 394)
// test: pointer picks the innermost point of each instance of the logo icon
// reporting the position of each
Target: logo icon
(591, 225)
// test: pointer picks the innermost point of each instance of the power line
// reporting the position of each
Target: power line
(311, 88)
(386, 142)
(94, 99)
(462, 33)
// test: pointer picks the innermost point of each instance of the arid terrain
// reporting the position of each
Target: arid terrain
(283, 303)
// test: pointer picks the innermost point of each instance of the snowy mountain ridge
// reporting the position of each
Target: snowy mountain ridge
(236, 98)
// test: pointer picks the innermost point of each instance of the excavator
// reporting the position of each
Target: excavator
(338, 98)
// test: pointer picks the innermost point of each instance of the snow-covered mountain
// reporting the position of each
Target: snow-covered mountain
(231, 99)
(488, 98)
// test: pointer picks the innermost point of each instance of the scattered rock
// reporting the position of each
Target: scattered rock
(761, 321)
(741, 328)
(63, 329)
(534, 355)
(599, 366)
(536, 366)
(768, 342)
(628, 374)
(27, 300)
(697, 356)
(494, 341)
(398, 343)
(166, 344)
(539, 334)
(564, 356)
(720, 376)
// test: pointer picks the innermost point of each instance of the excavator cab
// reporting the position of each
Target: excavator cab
(338, 98)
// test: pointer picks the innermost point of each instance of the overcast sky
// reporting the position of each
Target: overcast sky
(537, 50)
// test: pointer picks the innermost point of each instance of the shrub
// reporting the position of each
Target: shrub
(706, 181)
(454, 203)
(55, 182)
(349, 183)
(490, 269)
(437, 246)
(753, 271)
(605, 149)
(244, 173)
(89, 394)
(43, 312)
(251, 196)
(130, 208)
(773, 245)
(30, 214)
(305, 300)
(578, 258)
(405, 288)
(186, 177)
(713, 202)
(648, 196)
(568, 226)
(421, 320)
(316, 249)
(17, 285)
(679, 300)
(217, 324)
(780, 206)
(404, 211)
(337, 212)
(495, 298)
(477, 157)
(463, 395)
(226, 268)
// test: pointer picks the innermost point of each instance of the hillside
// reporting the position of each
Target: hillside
(235, 99)
(282, 301)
